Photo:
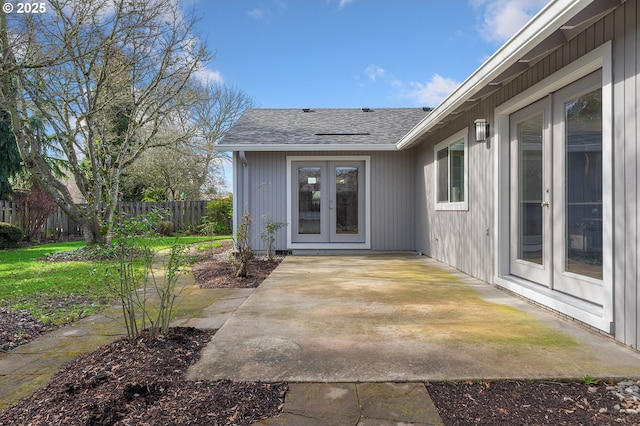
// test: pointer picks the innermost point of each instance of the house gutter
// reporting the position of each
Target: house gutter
(541, 26)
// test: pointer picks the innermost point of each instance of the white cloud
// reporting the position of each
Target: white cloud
(205, 75)
(432, 92)
(503, 18)
(374, 72)
(269, 12)
(259, 14)
(343, 3)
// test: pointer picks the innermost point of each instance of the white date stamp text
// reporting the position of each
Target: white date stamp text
(24, 7)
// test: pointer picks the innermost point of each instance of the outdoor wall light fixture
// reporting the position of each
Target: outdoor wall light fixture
(482, 129)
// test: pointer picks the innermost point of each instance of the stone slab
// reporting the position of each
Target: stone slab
(397, 402)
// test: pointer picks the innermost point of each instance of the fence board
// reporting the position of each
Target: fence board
(183, 214)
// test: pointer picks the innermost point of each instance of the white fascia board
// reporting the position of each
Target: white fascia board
(541, 26)
(308, 147)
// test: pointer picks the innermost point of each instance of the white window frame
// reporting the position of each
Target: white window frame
(452, 205)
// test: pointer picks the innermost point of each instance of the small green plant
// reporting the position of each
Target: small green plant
(209, 228)
(166, 289)
(133, 267)
(268, 235)
(135, 277)
(589, 380)
(242, 240)
(10, 235)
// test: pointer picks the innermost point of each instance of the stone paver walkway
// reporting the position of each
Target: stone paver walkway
(362, 404)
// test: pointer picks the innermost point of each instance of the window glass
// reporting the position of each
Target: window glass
(530, 170)
(347, 200)
(456, 192)
(583, 118)
(443, 175)
(309, 199)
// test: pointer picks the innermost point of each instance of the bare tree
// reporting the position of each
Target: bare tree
(213, 116)
(106, 76)
(191, 167)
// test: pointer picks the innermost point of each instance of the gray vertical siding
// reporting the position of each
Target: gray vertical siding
(267, 194)
(392, 196)
(624, 23)
(459, 238)
(393, 209)
(462, 239)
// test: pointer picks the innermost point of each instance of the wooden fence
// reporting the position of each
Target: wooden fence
(183, 214)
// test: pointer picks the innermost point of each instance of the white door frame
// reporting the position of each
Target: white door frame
(600, 317)
(366, 245)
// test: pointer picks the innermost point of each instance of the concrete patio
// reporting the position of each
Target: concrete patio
(398, 318)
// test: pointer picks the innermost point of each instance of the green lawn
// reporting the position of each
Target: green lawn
(61, 292)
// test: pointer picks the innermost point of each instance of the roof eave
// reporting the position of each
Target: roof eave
(307, 147)
(541, 26)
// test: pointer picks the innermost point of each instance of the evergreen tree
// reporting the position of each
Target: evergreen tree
(10, 162)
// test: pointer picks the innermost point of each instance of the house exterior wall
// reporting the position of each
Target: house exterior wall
(464, 239)
(626, 158)
(461, 239)
(261, 189)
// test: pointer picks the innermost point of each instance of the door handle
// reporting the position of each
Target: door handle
(330, 204)
(544, 204)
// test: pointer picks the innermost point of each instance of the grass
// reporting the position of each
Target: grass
(61, 292)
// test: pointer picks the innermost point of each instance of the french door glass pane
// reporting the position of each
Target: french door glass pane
(583, 118)
(530, 191)
(346, 200)
(309, 200)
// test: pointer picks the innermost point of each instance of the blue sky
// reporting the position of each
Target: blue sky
(354, 53)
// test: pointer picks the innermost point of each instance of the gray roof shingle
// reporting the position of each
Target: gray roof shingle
(261, 128)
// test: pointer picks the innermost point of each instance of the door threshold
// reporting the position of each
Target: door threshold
(578, 309)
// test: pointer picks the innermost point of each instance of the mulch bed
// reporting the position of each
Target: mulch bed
(144, 383)
(218, 270)
(18, 327)
(528, 403)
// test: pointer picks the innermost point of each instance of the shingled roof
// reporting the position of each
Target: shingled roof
(320, 129)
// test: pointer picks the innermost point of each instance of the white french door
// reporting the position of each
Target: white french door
(556, 191)
(530, 186)
(328, 201)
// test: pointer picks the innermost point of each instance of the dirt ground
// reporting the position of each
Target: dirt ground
(144, 383)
